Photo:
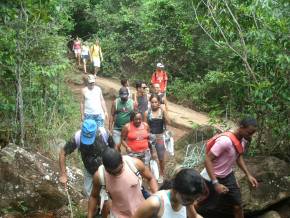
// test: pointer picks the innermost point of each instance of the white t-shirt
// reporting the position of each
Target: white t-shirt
(93, 101)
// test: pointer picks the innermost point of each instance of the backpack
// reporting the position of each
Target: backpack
(236, 142)
(103, 192)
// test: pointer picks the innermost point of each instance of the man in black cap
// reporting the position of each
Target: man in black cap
(120, 114)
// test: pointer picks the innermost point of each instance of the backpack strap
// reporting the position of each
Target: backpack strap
(78, 138)
(130, 163)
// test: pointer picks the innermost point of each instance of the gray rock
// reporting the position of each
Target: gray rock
(29, 181)
(273, 176)
(270, 214)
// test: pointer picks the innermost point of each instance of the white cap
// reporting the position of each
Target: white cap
(159, 65)
(91, 79)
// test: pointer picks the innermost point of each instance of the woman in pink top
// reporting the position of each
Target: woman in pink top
(135, 137)
(77, 46)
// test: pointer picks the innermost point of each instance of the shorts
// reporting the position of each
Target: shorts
(221, 203)
(77, 51)
(96, 117)
(96, 62)
(157, 141)
(85, 57)
(144, 156)
(116, 136)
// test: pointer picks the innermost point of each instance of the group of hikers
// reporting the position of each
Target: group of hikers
(116, 159)
(86, 53)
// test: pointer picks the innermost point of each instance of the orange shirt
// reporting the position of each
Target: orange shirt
(161, 78)
(137, 138)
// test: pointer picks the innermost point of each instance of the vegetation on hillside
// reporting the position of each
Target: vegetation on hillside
(229, 58)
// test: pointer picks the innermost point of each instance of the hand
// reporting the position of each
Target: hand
(128, 149)
(253, 181)
(221, 189)
(63, 180)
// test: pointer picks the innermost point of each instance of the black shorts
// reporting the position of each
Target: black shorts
(221, 203)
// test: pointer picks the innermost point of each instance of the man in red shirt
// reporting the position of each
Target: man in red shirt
(160, 77)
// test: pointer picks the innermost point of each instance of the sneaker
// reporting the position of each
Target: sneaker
(160, 179)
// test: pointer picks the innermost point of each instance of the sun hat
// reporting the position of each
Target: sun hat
(91, 78)
(123, 92)
(160, 65)
(88, 133)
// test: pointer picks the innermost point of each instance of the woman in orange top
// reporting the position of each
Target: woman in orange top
(135, 138)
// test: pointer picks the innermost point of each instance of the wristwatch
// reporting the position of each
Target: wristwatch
(215, 181)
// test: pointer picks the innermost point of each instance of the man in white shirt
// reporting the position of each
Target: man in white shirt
(93, 105)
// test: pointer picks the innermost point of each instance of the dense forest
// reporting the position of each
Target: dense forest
(227, 58)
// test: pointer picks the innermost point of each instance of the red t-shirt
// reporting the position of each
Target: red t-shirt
(161, 78)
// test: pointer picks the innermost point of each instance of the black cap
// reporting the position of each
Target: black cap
(123, 92)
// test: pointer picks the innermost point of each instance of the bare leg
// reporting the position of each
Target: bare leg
(79, 59)
(238, 211)
(85, 65)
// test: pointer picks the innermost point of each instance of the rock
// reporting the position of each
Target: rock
(29, 181)
(270, 214)
(273, 176)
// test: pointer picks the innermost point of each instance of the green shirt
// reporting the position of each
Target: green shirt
(123, 111)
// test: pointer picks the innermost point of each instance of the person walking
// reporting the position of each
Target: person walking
(122, 184)
(178, 201)
(125, 83)
(141, 98)
(96, 56)
(121, 109)
(157, 119)
(85, 55)
(91, 141)
(93, 105)
(223, 151)
(77, 45)
(156, 90)
(135, 138)
(160, 76)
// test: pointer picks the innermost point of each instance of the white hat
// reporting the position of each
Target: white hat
(159, 65)
(91, 79)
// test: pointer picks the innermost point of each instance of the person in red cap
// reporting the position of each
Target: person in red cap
(160, 77)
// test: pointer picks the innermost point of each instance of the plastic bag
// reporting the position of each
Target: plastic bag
(154, 168)
(169, 142)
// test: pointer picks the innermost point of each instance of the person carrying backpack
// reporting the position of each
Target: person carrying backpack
(119, 177)
(222, 152)
(120, 114)
(160, 76)
(91, 142)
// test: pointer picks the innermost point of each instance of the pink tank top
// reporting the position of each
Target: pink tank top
(77, 45)
(125, 193)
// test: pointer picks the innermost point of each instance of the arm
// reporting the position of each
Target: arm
(103, 103)
(124, 135)
(209, 157)
(94, 198)
(165, 103)
(148, 208)
(166, 118)
(112, 116)
(62, 167)
(101, 54)
(243, 167)
(82, 105)
(146, 174)
(145, 117)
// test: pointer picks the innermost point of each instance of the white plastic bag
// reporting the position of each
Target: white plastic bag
(169, 142)
(154, 168)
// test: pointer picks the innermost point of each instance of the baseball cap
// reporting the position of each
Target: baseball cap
(88, 133)
(91, 79)
(123, 92)
(159, 65)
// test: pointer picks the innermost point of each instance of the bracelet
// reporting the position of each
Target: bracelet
(214, 182)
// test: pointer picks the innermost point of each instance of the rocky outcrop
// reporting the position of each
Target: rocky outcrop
(29, 181)
(273, 176)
